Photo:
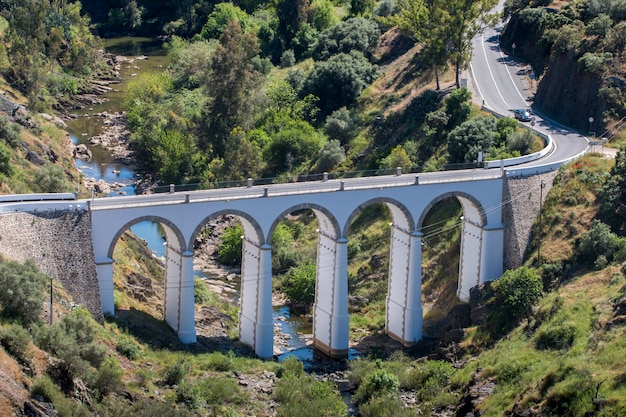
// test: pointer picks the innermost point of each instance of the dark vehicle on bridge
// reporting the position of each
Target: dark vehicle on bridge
(522, 115)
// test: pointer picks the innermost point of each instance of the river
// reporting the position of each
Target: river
(103, 166)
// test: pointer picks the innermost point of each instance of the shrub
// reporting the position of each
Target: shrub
(5, 161)
(377, 384)
(127, 347)
(518, 290)
(208, 392)
(340, 80)
(301, 395)
(557, 336)
(386, 406)
(201, 293)
(596, 242)
(287, 59)
(301, 284)
(355, 34)
(175, 373)
(331, 155)
(230, 249)
(16, 341)
(10, 132)
(52, 179)
(339, 125)
(521, 141)
(22, 291)
(108, 378)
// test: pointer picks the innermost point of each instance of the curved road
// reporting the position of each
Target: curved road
(501, 82)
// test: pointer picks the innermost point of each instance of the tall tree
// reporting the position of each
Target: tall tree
(467, 19)
(232, 85)
(426, 21)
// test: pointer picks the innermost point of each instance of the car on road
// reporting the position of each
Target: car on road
(522, 115)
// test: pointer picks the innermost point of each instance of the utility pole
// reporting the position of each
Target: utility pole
(540, 210)
(50, 301)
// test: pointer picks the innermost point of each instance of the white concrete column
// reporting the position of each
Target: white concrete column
(404, 294)
(492, 253)
(413, 311)
(331, 319)
(340, 320)
(187, 321)
(264, 343)
(255, 314)
(173, 266)
(104, 268)
(470, 258)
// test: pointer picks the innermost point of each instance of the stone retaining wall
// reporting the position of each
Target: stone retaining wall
(60, 244)
(520, 214)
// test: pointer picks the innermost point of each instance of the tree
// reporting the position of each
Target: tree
(292, 14)
(340, 125)
(324, 15)
(355, 34)
(219, 18)
(294, 144)
(174, 155)
(612, 196)
(397, 158)
(340, 80)
(361, 7)
(232, 85)
(331, 155)
(22, 291)
(467, 18)
(242, 158)
(466, 140)
(597, 245)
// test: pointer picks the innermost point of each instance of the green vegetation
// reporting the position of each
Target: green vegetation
(22, 290)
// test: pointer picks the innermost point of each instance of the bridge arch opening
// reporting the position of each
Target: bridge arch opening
(135, 267)
(232, 237)
(305, 241)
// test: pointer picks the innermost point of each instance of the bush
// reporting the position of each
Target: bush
(301, 395)
(339, 80)
(108, 379)
(557, 336)
(72, 340)
(208, 393)
(10, 132)
(518, 291)
(175, 373)
(22, 291)
(521, 141)
(386, 406)
(201, 293)
(287, 59)
(301, 284)
(229, 252)
(467, 139)
(52, 179)
(339, 125)
(377, 384)
(6, 167)
(127, 347)
(331, 155)
(355, 34)
(16, 341)
(595, 243)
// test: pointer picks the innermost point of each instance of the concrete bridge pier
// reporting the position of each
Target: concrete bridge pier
(482, 249)
(104, 269)
(179, 301)
(404, 294)
(331, 319)
(256, 328)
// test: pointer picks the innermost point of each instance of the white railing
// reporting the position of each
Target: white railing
(308, 187)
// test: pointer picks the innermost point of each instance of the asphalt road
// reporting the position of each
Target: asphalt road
(503, 84)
